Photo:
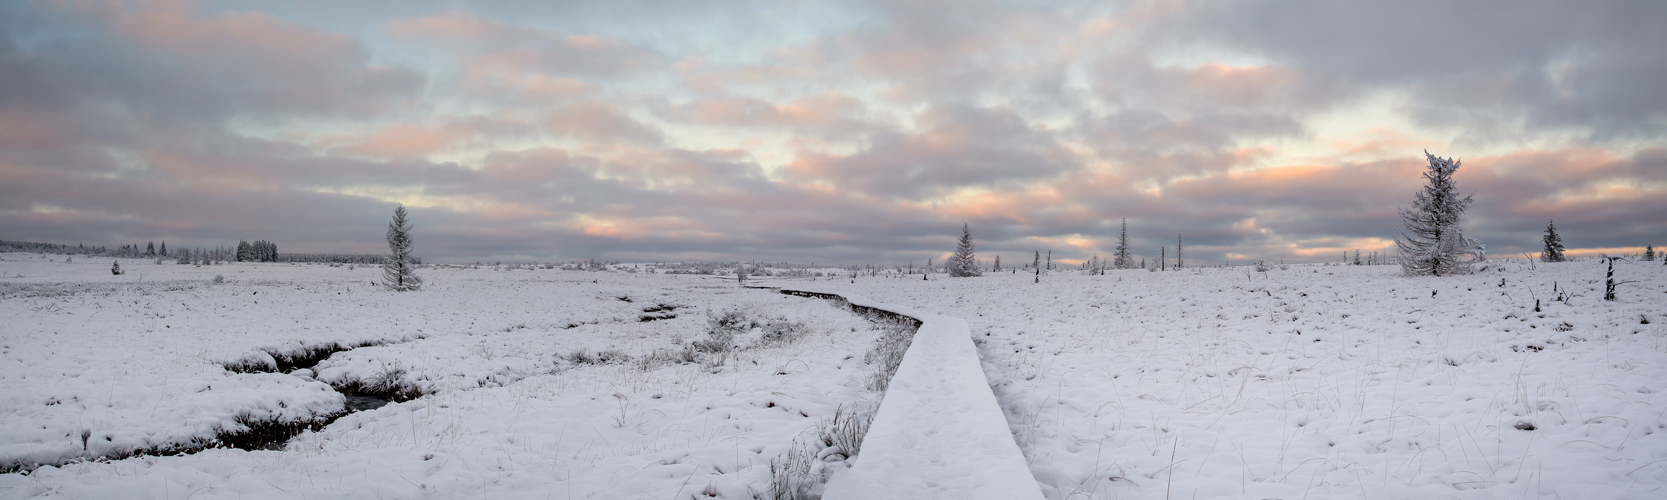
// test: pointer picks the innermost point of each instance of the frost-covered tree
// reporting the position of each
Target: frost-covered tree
(150, 249)
(1649, 253)
(1553, 251)
(1432, 241)
(998, 265)
(243, 252)
(398, 272)
(1123, 260)
(964, 263)
(164, 250)
(116, 267)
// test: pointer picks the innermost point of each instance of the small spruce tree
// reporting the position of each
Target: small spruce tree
(1553, 251)
(1649, 252)
(963, 264)
(398, 272)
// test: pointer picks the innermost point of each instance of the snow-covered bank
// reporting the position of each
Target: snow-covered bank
(538, 383)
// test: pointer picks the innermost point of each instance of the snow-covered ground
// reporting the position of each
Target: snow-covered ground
(1306, 381)
(137, 362)
(1323, 381)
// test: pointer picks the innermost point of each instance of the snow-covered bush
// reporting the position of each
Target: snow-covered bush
(721, 330)
(606, 357)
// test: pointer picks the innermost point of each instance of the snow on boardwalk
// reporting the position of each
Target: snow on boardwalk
(939, 432)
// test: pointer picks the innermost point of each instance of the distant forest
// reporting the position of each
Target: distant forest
(264, 252)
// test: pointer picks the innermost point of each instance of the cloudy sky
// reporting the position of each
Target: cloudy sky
(830, 132)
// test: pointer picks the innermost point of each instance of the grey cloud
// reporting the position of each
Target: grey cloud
(597, 122)
(957, 147)
(1559, 64)
(520, 49)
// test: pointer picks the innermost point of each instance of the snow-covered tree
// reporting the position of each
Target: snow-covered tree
(964, 263)
(164, 250)
(1432, 241)
(1649, 252)
(997, 268)
(1553, 251)
(398, 272)
(150, 249)
(116, 267)
(1123, 260)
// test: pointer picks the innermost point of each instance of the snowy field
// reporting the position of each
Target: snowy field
(1300, 382)
(1323, 381)
(138, 362)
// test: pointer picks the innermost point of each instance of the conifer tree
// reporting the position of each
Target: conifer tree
(150, 249)
(998, 265)
(398, 273)
(1123, 260)
(164, 250)
(963, 264)
(1649, 252)
(1431, 240)
(1553, 251)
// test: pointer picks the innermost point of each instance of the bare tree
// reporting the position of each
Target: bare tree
(1178, 258)
(398, 273)
(1609, 279)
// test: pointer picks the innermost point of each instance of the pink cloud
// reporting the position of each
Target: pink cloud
(831, 115)
(412, 141)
